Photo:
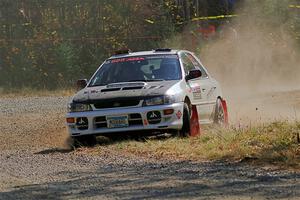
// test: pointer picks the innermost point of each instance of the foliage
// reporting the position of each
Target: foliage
(49, 44)
(275, 13)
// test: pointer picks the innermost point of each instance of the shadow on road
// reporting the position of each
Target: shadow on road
(102, 140)
(54, 150)
(164, 181)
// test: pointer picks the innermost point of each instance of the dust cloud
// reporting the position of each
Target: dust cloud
(257, 64)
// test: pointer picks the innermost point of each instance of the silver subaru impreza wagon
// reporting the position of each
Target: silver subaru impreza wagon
(158, 91)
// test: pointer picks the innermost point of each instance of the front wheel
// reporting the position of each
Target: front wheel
(186, 127)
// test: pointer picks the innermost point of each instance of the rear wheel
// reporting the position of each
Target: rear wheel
(219, 117)
(85, 140)
(186, 128)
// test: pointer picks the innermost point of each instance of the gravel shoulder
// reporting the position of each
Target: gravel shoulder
(35, 164)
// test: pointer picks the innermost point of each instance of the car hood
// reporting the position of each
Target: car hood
(123, 90)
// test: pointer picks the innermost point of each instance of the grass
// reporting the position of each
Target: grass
(275, 144)
(29, 92)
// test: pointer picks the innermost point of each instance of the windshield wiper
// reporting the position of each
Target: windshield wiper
(154, 80)
(96, 85)
(137, 80)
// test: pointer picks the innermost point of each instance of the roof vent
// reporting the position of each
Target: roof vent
(163, 50)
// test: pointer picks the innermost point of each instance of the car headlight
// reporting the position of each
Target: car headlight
(79, 107)
(160, 100)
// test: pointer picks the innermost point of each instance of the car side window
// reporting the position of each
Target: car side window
(187, 63)
(197, 65)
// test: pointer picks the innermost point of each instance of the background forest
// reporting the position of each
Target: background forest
(49, 44)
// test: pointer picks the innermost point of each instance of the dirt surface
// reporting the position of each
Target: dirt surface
(264, 107)
(35, 164)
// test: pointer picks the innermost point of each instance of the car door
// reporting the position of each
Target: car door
(211, 85)
(202, 88)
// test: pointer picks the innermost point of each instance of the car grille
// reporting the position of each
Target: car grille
(116, 103)
(134, 119)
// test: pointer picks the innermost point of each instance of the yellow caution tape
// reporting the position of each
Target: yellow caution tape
(213, 17)
(294, 6)
(149, 21)
(210, 18)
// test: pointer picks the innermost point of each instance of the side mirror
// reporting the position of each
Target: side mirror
(81, 83)
(195, 73)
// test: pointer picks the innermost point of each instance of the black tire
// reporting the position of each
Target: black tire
(85, 140)
(219, 117)
(186, 128)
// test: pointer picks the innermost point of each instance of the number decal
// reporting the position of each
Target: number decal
(197, 92)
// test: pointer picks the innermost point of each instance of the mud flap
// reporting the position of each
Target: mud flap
(194, 126)
(224, 105)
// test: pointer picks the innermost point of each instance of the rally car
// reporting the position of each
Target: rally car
(163, 90)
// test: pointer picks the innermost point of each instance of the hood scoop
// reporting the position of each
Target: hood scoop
(124, 88)
(110, 89)
(126, 84)
(133, 88)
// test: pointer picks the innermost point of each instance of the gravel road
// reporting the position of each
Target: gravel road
(35, 164)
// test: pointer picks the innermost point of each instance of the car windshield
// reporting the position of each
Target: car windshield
(135, 69)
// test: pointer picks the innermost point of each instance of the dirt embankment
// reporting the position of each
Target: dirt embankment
(32, 122)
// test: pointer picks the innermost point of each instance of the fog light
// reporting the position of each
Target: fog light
(71, 120)
(154, 117)
(82, 123)
(168, 111)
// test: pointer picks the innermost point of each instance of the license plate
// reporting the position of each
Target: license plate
(117, 121)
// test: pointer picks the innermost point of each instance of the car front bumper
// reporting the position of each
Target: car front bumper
(96, 124)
